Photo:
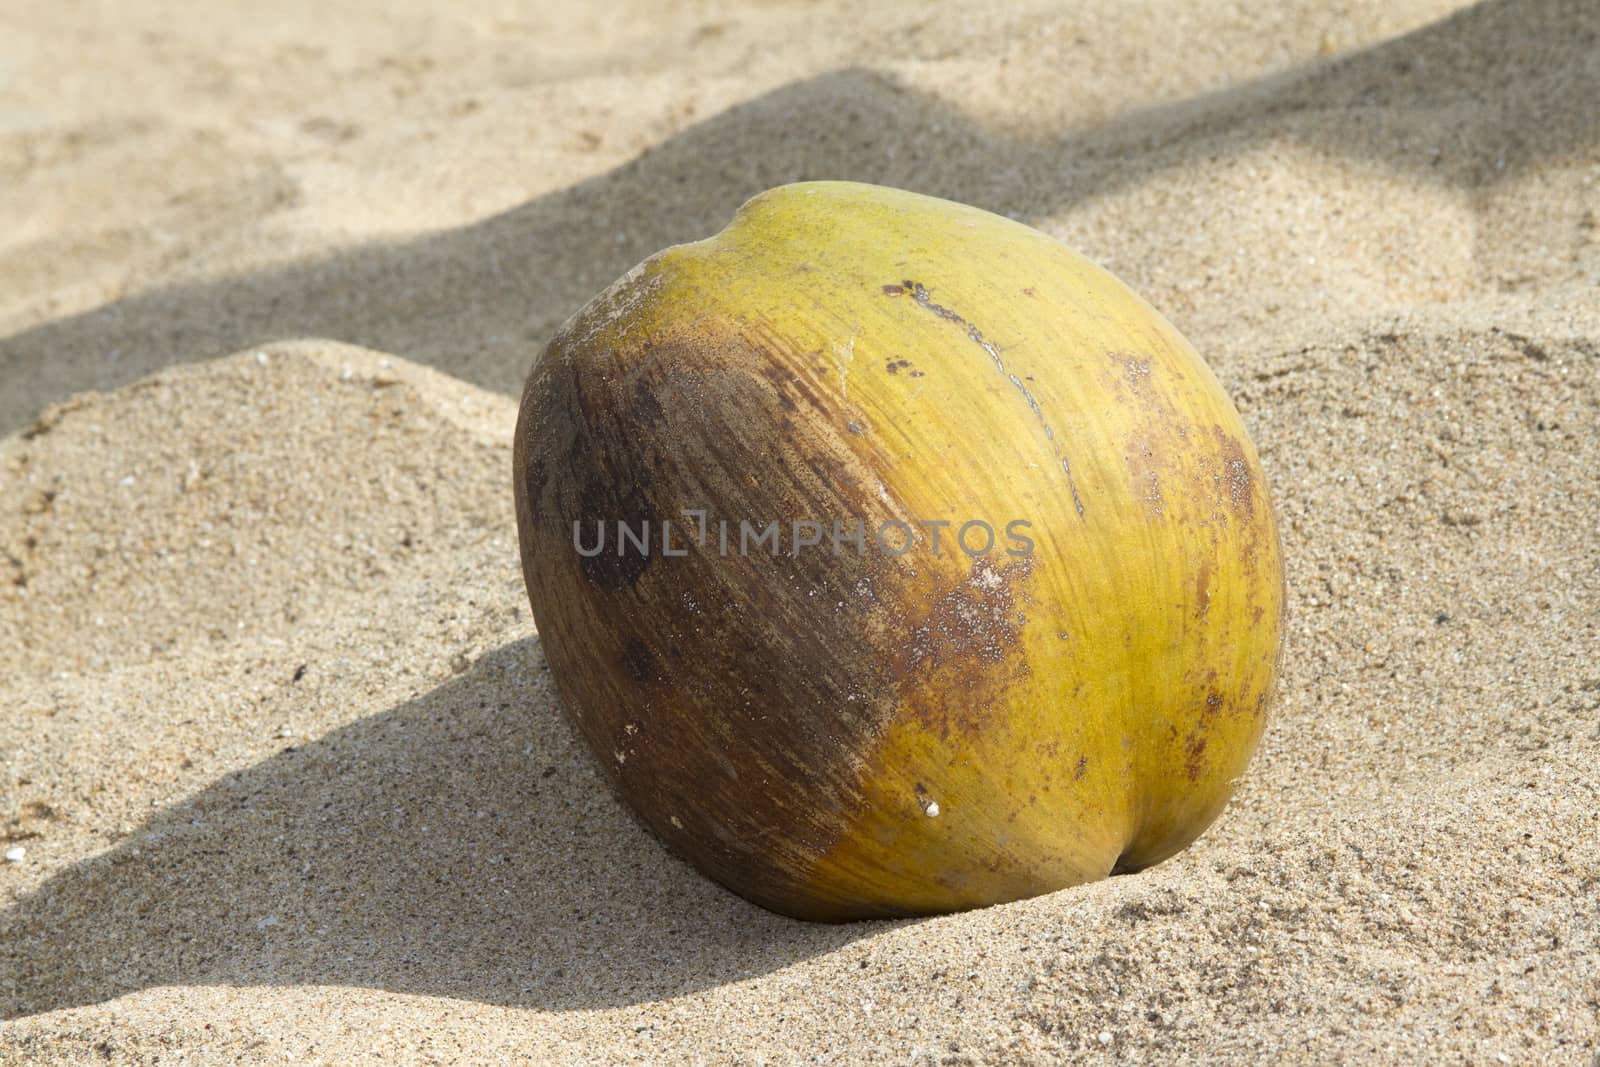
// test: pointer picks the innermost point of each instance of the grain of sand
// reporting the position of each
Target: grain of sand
(276, 740)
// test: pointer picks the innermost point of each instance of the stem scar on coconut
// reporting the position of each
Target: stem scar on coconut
(798, 657)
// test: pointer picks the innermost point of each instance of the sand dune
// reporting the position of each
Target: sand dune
(277, 736)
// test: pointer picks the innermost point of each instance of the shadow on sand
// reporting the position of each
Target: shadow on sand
(479, 301)
(460, 844)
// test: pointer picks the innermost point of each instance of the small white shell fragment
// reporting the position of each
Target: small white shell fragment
(16, 854)
(932, 809)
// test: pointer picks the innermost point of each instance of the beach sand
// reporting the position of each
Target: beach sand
(276, 736)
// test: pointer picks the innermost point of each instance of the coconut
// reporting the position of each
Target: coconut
(892, 558)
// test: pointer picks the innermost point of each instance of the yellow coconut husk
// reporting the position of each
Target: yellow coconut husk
(840, 734)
